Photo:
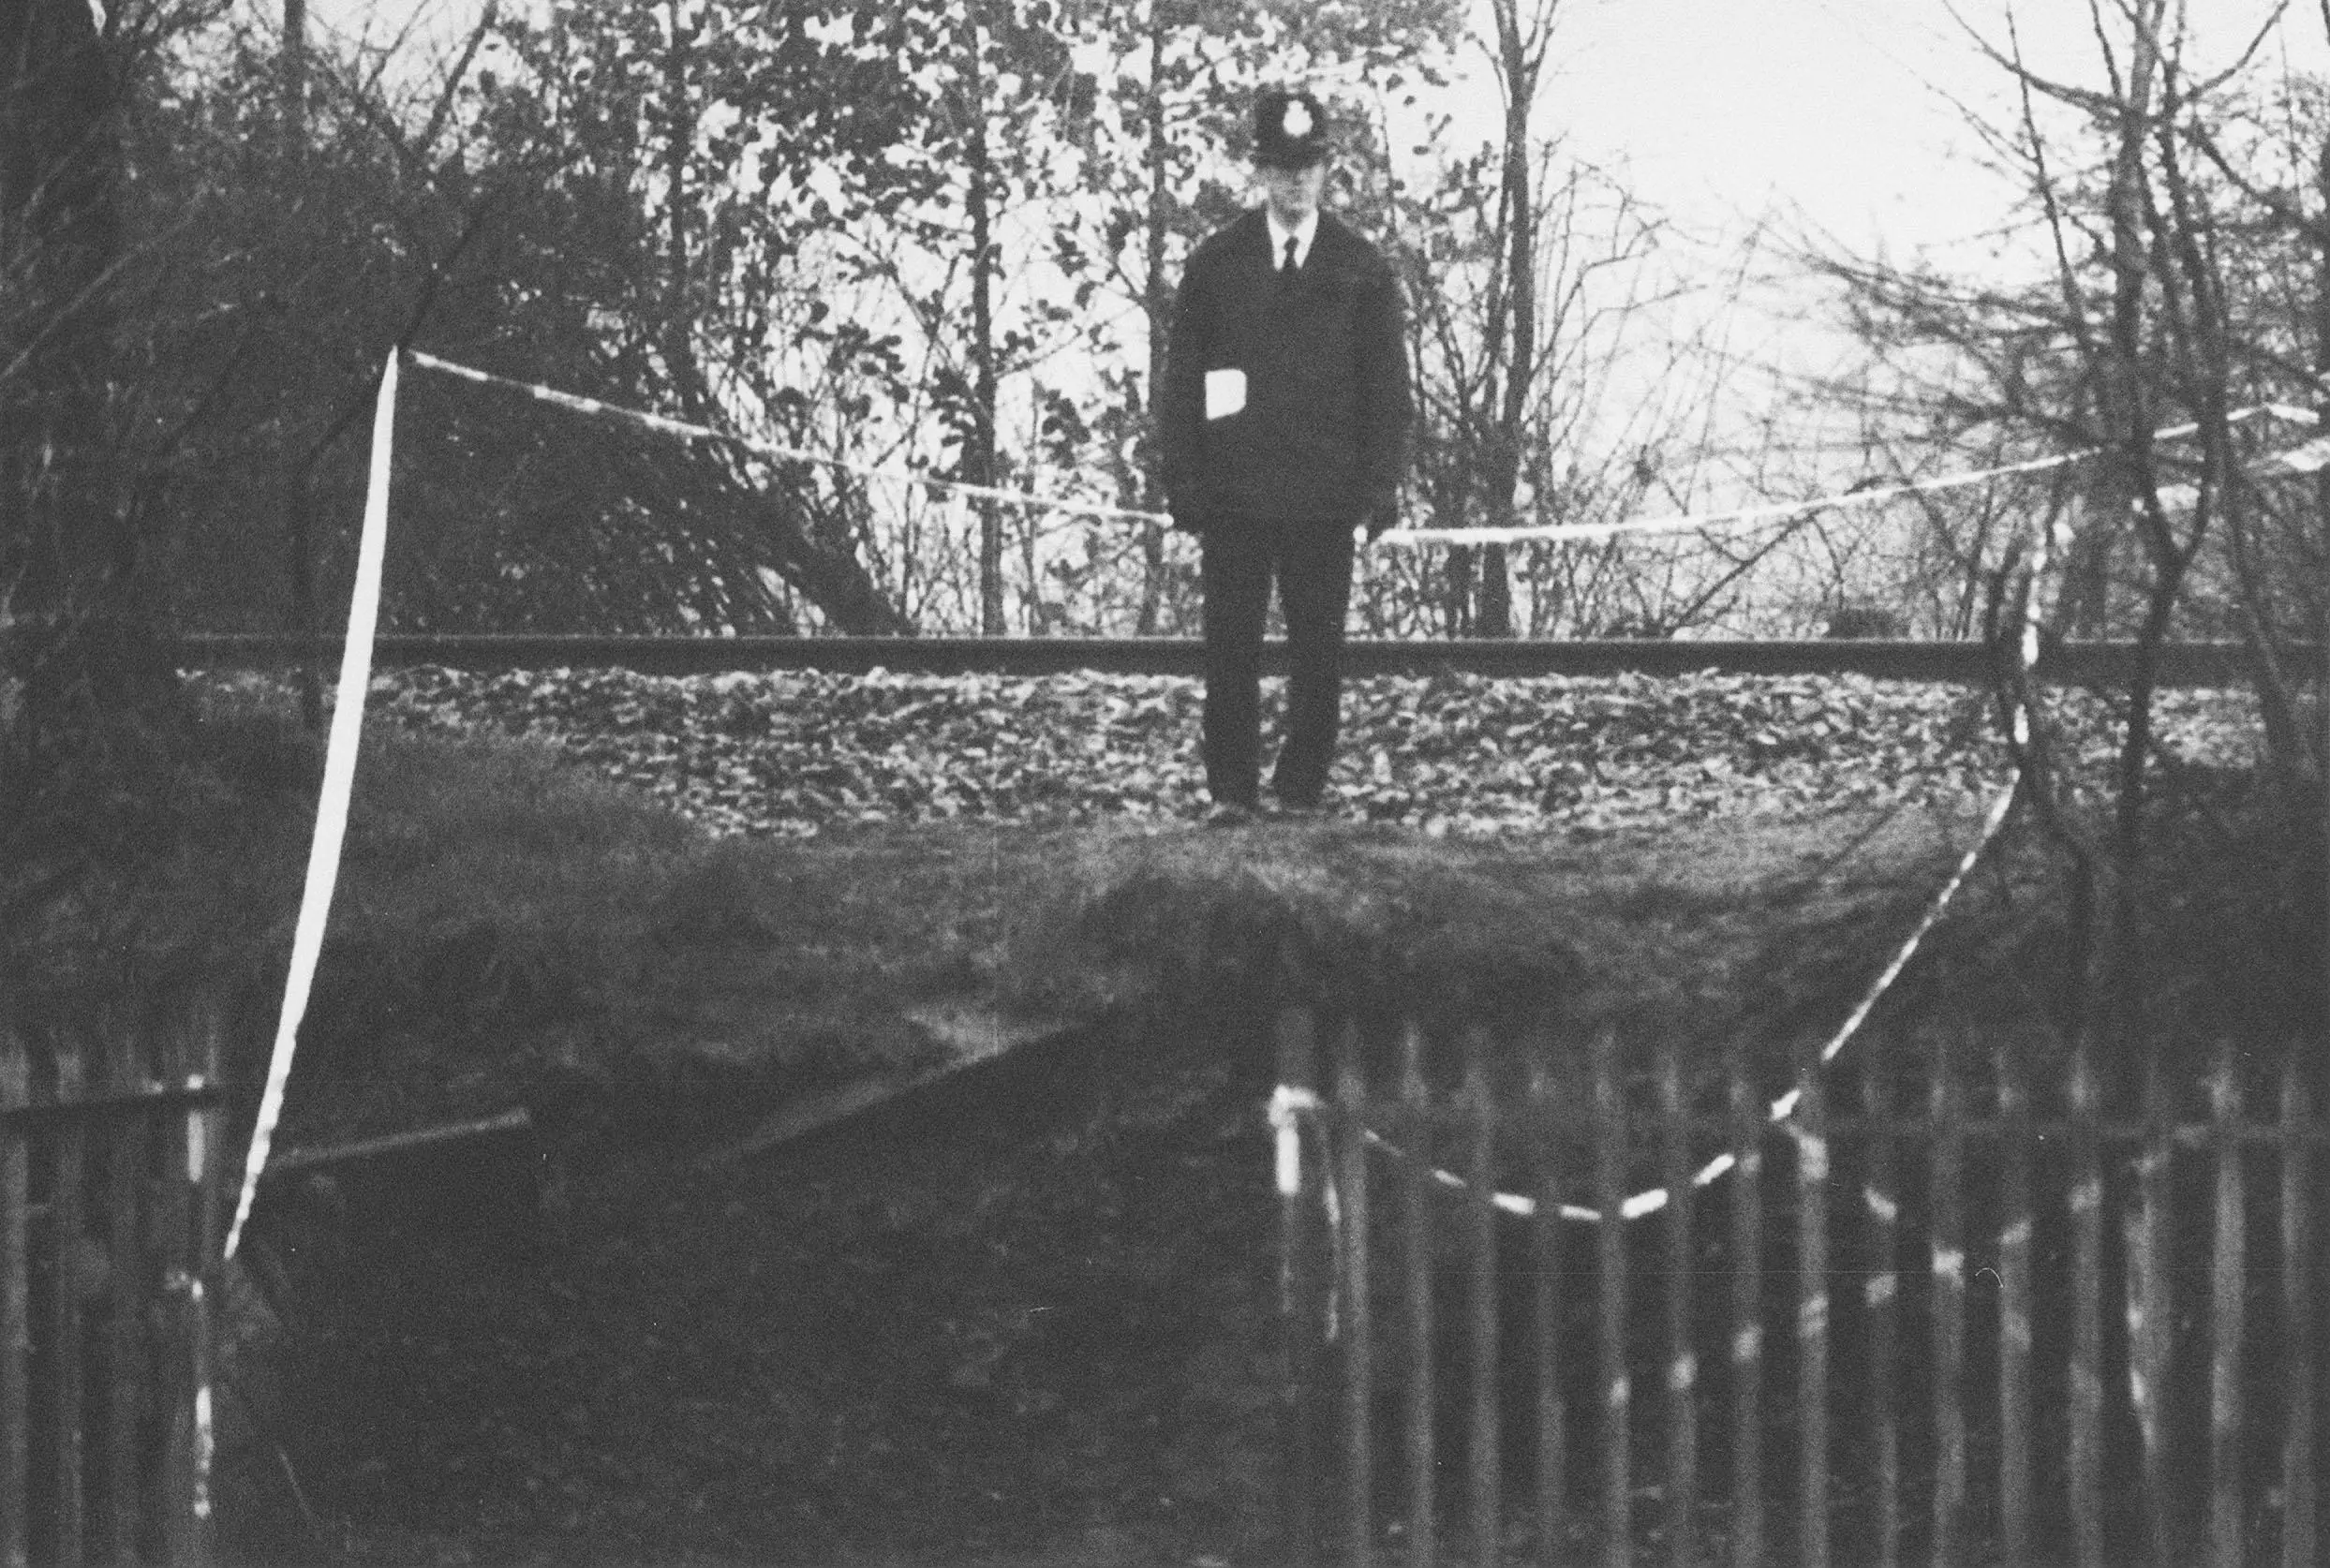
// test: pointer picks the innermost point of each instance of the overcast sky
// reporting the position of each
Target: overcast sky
(1840, 108)
(1725, 109)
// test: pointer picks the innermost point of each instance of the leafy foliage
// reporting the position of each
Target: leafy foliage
(2175, 215)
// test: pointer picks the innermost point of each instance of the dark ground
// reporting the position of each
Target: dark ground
(1024, 1317)
(1023, 1320)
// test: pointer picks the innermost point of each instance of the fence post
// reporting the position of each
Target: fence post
(1416, 1131)
(68, 1155)
(1682, 1413)
(1883, 1295)
(125, 1199)
(16, 1327)
(2015, 1309)
(2149, 1306)
(1609, 1192)
(1358, 1329)
(1746, 1380)
(181, 1218)
(2086, 1372)
(1545, 1231)
(2300, 1498)
(1810, 1126)
(2226, 1317)
(1297, 1290)
(1947, 1168)
(1483, 1457)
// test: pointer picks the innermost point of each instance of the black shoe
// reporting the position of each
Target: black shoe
(1229, 813)
(1298, 809)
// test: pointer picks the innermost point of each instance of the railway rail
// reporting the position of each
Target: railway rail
(2074, 663)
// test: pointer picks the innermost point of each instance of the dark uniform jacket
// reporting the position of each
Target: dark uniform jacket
(1324, 432)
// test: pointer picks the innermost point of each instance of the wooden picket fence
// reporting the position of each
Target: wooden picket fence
(1939, 1312)
(110, 1196)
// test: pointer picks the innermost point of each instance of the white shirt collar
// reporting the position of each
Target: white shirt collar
(1302, 236)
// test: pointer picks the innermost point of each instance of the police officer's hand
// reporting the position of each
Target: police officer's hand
(1378, 522)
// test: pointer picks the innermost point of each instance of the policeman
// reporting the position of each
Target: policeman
(1284, 419)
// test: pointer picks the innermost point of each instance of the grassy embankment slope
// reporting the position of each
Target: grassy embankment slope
(925, 1322)
(506, 920)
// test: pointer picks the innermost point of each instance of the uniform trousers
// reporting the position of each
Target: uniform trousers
(1310, 562)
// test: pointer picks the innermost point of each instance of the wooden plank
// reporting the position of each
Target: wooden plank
(2226, 1321)
(1810, 1125)
(1747, 1354)
(1359, 1326)
(515, 1120)
(2150, 1306)
(178, 1269)
(1615, 1430)
(1299, 1299)
(1545, 1234)
(16, 1324)
(1681, 1393)
(2085, 1477)
(1484, 1458)
(2015, 1309)
(974, 1037)
(2301, 1330)
(193, 1541)
(1945, 1185)
(1883, 1297)
(1416, 1259)
(126, 1373)
(70, 1459)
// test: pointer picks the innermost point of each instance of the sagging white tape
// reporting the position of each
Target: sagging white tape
(339, 782)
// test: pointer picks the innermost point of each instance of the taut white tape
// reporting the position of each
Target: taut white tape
(1781, 512)
(339, 783)
(670, 426)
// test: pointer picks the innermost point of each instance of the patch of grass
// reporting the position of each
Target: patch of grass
(507, 920)
(1692, 934)
(504, 916)
(525, 918)
(184, 908)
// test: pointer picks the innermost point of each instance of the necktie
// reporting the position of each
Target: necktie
(1286, 273)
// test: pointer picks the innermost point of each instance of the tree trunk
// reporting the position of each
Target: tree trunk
(1495, 590)
(832, 579)
(979, 451)
(2127, 420)
(82, 655)
(1456, 590)
(2319, 604)
(298, 501)
(1157, 302)
(680, 138)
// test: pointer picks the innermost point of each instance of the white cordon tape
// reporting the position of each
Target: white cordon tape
(1719, 522)
(1283, 1111)
(1747, 517)
(339, 781)
(1288, 1103)
(1288, 1106)
(2296, 460)
(580, 405)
